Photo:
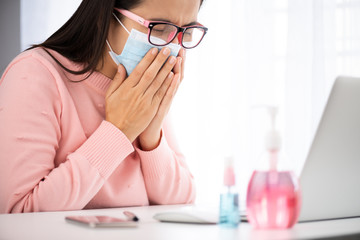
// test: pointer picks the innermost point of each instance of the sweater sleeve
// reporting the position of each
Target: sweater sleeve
(167, 176)
(30, 130)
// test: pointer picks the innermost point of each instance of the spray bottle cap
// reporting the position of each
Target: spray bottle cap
(229, 174)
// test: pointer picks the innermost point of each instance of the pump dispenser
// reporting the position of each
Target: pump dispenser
(273, 196)
(273, 140)
(229, 199)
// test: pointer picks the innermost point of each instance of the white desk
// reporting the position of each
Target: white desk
(52, 225)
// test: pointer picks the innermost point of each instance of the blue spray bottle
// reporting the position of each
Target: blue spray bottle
(229, 198)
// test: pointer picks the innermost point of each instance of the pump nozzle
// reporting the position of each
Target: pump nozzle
(272, 141)
(229, 175)
(273, 138)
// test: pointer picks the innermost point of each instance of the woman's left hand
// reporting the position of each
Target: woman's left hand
(150, 138)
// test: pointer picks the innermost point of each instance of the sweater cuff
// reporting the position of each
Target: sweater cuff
(106, 148)
(157, 162)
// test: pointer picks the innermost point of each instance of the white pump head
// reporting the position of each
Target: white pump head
(272, 138)
(229, 174)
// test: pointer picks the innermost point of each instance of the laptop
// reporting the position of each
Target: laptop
(330, 178)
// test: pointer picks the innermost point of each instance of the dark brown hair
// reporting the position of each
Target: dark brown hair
(82, 38)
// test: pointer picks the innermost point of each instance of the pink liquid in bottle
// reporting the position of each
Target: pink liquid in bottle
(273, 199)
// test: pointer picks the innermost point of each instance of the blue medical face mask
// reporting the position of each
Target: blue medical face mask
(135, 48)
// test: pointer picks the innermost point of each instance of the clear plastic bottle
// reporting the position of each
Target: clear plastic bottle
(229, 198)
(273, 197)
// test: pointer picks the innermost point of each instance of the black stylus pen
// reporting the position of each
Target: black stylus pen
(131, 216)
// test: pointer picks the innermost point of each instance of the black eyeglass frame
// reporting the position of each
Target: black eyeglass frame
(179, 30)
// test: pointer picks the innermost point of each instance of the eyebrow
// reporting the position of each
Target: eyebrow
(166, 20)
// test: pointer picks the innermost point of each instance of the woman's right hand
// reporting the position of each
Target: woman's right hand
(131, 103)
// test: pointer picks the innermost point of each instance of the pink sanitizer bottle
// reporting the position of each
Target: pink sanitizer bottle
(273, 195)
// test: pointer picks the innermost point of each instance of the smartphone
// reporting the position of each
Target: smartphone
(101, 221)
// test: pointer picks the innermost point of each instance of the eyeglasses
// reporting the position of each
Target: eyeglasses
(162, 33)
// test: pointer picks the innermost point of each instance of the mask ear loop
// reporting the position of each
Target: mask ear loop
(107, 42)
(112, 53)
(121, 23)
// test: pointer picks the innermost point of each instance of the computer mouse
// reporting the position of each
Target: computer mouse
(187, 216)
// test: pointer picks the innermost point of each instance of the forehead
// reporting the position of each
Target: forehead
(180, 12)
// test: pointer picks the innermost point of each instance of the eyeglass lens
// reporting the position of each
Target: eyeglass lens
(162, 34)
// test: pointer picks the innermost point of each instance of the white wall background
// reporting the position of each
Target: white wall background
(41, 18)
(283, 52)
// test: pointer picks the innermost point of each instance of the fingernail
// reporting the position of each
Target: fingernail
(119, 69)
(154, 51)
(171, 74)
(166, 51)
(180, 60)
(172, 60)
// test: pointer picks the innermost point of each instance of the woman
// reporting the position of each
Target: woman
(82, 128)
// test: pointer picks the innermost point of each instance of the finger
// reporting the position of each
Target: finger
(154, 86)
(182, 54)
(163, 89)
(177, 67)
(180, 78)
(169, 96)
(117, 81)
(183, 64)
(143, 65)
(150, 73)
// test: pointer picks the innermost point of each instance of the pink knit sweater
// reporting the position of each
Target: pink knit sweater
(58, 153)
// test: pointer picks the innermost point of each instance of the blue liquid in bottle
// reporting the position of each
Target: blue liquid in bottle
(229, 209)
(229, 199)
